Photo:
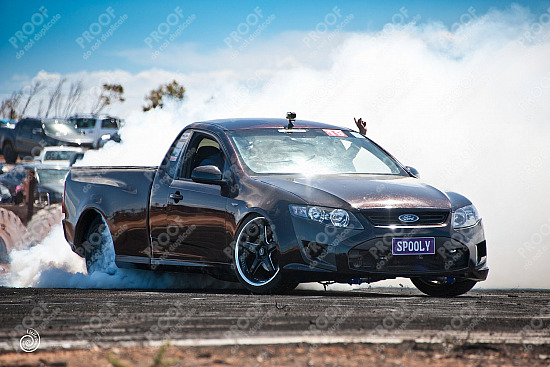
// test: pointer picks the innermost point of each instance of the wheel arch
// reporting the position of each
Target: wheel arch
(82, 226)
(282, 227)
(250, 213)
(6, 140)
(246, 217)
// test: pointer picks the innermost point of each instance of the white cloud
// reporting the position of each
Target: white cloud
(286, 50)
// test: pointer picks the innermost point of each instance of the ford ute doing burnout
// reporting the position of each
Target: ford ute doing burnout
(273, 203)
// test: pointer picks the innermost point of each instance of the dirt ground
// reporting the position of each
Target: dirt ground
(406, 354)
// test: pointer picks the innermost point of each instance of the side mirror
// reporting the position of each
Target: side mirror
(413, 171)
(208, 175)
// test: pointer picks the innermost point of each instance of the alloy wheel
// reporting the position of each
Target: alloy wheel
(256, 253)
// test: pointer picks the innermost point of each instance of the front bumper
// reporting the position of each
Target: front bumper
(343, 255)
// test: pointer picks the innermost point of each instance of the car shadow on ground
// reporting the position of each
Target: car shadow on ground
(366, 293)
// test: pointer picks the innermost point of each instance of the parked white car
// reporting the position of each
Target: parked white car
(101, 128)
(60, 156)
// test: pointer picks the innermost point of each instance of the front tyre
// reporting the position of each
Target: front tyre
(443, 287)
(257, 257)
(10, 155)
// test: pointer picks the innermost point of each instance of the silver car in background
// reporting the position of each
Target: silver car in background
(101, 128)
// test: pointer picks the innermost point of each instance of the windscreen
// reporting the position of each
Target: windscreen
(59, 155)
(84, 123)
(60, 129)
(51, 176)
(310, 152)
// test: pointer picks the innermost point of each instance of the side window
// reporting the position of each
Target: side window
(25, 128)
(85, 123)
(36, 125)
(203, 150)
(174, 159)
(109, 124)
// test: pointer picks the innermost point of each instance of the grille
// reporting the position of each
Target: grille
(388, 217)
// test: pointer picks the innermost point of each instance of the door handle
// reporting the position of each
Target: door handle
(176, 197)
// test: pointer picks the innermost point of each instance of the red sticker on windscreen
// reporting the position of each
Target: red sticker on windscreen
(339, 133)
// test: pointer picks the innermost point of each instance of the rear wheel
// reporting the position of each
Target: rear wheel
(257, 258)
(10, 155)
(98, 248)
(443, 287)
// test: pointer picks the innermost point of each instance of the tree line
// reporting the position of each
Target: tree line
(62, 99)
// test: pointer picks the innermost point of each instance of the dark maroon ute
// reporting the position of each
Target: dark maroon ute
(273, 203)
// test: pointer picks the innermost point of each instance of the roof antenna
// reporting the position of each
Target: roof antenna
(291, 116)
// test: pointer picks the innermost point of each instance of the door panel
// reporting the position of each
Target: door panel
(195, 223)
(187, 219)
(25, 139)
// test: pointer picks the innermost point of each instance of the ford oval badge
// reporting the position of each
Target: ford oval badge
(408, 218)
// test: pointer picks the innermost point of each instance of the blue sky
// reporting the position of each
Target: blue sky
(60, 49)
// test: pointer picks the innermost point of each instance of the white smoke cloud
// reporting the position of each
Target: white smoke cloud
(52, 264)
(468, 108)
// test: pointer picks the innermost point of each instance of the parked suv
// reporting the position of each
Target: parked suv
(101, 128)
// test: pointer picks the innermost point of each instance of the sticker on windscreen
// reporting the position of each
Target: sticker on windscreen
(338, 133)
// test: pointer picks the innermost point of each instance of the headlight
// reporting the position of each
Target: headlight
(466, 216)
(337, 217)
(105, 136)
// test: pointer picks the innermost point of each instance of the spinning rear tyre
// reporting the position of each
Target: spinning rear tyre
(257, 258)
(98, 248)
(442, 287)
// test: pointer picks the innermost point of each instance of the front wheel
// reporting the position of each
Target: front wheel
(257, 258)
(443, 287)
(10, 155)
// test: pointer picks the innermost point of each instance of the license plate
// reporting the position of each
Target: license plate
(413, 246)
